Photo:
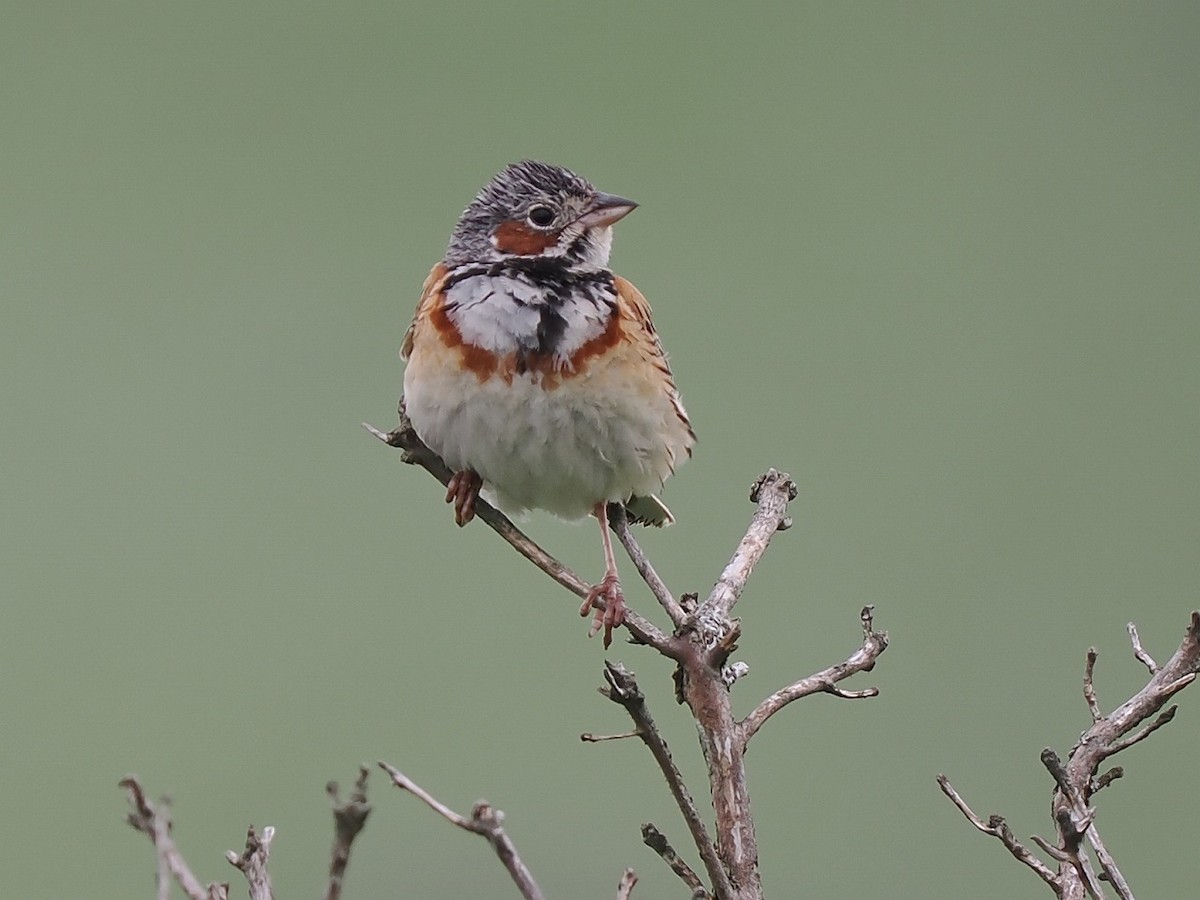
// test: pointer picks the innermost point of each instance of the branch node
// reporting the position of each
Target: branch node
(998, 828)
(485, 820)
(734, 671)
(252, 862)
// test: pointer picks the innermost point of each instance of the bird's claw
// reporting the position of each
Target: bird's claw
(609, 616)
(463, 490)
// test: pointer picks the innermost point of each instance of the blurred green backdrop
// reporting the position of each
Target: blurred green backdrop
(938, 260)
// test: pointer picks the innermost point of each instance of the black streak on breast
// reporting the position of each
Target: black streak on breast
(550, 329)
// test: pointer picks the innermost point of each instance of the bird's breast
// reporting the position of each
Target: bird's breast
(503, 325)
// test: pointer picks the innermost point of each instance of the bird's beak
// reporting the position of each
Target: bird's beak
(606, 209)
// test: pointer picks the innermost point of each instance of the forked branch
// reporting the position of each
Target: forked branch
(825, 681)
(349, 818)
(704, 636)
(1079, 778)
(154, 821)
(486, 821)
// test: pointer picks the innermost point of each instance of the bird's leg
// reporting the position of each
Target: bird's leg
(463, 490)
(608, 588)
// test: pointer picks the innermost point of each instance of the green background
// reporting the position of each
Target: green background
(937, 260)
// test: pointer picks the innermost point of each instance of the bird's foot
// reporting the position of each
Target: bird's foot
(612, 614)
(463, 490)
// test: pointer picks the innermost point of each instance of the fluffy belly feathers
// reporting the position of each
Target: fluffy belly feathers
(561, 445)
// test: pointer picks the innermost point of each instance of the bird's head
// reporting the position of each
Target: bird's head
(537, 210)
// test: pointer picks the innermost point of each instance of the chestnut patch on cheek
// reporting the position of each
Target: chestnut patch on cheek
(518, 238)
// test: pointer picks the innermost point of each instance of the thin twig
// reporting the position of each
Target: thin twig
(625, 885)
(252, 862)
(623, 689)
(154, 821)
(861, 660)
(1142, 733)
(657, 841)
(1109, 865)
(1050, 848)
(486, 821)
(1138, 651)
(348, 819)
(1089, 687)
(998, 828)
(619, 522)
(417, 453)
(588, 738)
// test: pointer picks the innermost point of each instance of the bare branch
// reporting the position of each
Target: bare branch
(657, 841)
(1111, 734)
(1050, 848)
(1141, 734)
(625, 886)
(772, 492)
(1142, 656)
(252, 862)
(417, 453)
(1089, 688)
(861, 660)
(349, 819)
(623, 689)
(1109, 866)
(998, 828)
(619, 522)
(485, 821)
(154, 821)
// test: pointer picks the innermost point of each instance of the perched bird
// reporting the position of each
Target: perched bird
(536, 373)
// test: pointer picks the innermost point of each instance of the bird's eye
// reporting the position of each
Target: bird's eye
(541, 216)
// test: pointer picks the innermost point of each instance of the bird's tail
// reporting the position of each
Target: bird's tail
(648, 510)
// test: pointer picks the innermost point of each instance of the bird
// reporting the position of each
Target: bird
(536, 373)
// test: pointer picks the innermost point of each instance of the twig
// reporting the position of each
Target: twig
(252, 862)
(998, 828)
(348, 819)
(619, 522)
(1089, 688)
(623, 689)
(1138, 651)
(417, 453)
(1141, 734)
(154, 821)
(861, 660)
(772, 492)
(625, 886)
(588, 738)
(657, 841)
(486, 821)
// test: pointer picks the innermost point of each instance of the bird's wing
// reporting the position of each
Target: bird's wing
(637, 323)
(429, 295)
